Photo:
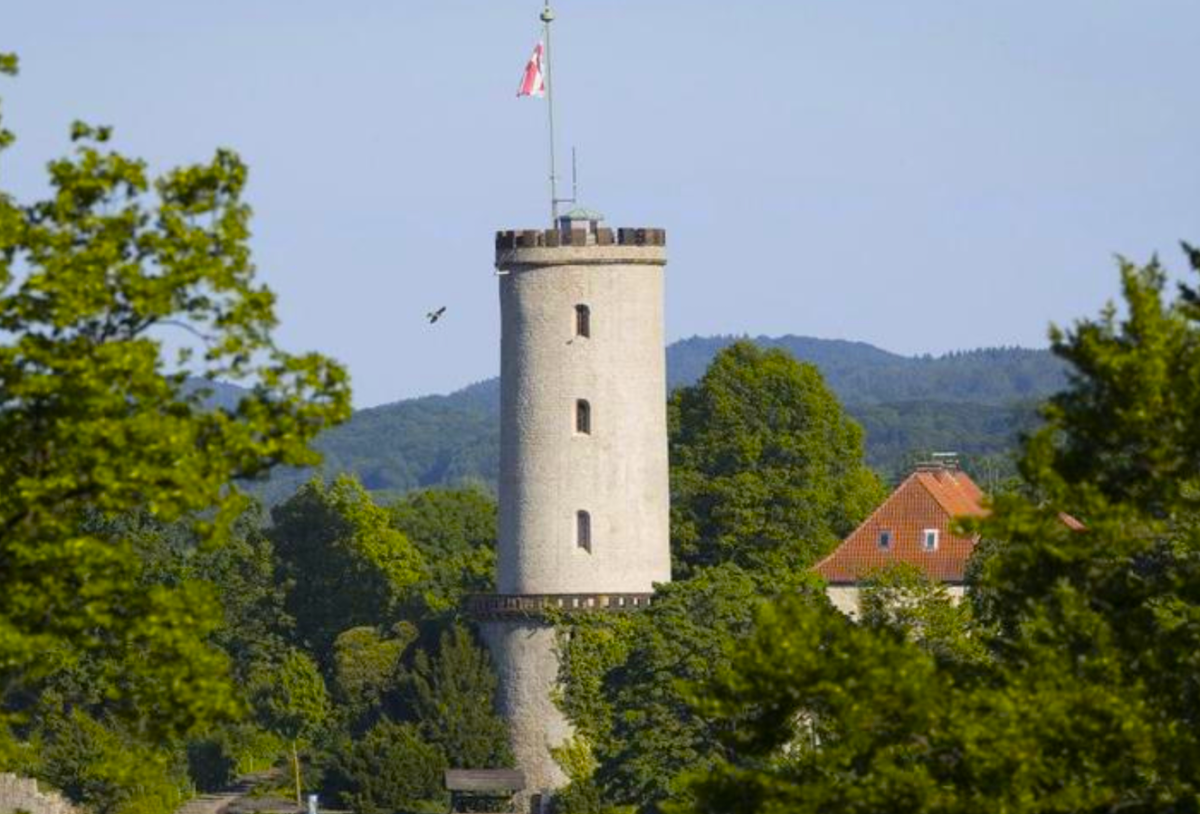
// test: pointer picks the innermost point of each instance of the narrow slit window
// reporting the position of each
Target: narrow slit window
(583, 320)
(583, 530)
(583, 417)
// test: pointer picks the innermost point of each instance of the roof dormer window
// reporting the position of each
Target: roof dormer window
(885, 540)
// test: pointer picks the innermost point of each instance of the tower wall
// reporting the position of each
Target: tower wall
(615, 470)
(526, 662)
(549, 471)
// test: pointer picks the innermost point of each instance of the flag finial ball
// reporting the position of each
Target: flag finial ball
(547, 15)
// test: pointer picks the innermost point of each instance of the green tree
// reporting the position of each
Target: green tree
(256, 625)
(1117, 600)
(455, 530)
(1127, 428)
(766, 469)
(903, 598)
(390, 769)
(99, 760)
(824, 707)
(96, 419)
(366, 667)
(291, 701)
(452, 698)
(1090, 696)
(590, 647)
(343, 563)
(655, 734)
(833, 716)
(239, 577)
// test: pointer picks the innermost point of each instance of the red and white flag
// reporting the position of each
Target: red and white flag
(533, 83)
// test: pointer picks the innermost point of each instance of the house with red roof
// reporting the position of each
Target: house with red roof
(914, 526)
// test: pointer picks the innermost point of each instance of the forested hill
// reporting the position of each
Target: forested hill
(972, 402)
(863, 374)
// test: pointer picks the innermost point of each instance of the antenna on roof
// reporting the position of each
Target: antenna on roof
(547, 17)
(574, 188)
(574, 177)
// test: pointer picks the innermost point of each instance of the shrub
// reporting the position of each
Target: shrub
(389, 769)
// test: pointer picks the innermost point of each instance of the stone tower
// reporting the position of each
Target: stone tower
(584, 505)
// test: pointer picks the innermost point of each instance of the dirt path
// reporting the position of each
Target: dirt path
(216, 802)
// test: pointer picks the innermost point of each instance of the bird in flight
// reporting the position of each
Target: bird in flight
(434, 316)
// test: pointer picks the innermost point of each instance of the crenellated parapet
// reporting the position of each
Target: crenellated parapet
(601, 236)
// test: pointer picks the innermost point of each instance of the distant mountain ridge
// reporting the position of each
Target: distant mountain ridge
(861, 373)
(973, 402)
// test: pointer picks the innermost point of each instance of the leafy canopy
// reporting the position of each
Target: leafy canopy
(452, 696)
(656, 735)
(366, 669)
(97, 281)
(766, 469)
(1090, 693)
(389, 769)
(904, 599)
(766, 475)
(455, 531)
(344, 564)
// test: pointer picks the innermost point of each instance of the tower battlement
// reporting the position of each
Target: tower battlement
(599, 236)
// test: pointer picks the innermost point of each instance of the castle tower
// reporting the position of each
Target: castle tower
(584, 504)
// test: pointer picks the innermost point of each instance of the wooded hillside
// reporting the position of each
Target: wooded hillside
(972, 402)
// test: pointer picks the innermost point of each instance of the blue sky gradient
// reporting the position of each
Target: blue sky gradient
(924, 176)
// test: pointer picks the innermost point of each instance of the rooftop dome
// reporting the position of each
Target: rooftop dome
(581, 213)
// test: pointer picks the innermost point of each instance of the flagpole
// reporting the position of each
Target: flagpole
(547, 18)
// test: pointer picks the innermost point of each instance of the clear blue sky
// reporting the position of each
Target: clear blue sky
(924, 176)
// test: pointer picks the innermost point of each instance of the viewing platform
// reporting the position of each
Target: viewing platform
(532, 606)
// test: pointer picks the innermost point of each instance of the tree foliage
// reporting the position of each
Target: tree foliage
(291, 697)
(766, 469)
(656, 735)
(140, 390)
(1127, 430)
(390, 769)
(369, 603)
(121, 295)
(292, 702)
(452, 696)
(256, 626)
(904, 599)
(367, 666)
(98, 759)
(455, 531)
(1090, 694)
(974, 402)
(344, 564)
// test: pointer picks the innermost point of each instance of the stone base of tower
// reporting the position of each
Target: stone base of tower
(525, 656)
(524, 648)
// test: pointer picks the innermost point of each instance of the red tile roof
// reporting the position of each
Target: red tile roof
(927, 499)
